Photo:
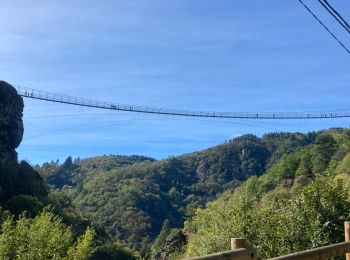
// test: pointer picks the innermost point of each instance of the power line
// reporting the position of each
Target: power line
(324, 26)
(335, 14)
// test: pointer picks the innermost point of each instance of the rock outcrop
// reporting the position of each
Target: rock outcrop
(11, 124)
(15, 178)
(172, 245)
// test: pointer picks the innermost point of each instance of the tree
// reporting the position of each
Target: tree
(160, 241)
(42, 237)
(281, 222)
(324, 149)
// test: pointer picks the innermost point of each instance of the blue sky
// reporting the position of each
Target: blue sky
(229, 55)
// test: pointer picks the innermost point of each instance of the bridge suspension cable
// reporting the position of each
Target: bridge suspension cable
(65, 99)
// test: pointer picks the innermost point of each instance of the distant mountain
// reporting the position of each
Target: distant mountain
(75, 172)
(133, 196)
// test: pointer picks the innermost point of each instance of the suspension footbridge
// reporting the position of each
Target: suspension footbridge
(78, 101)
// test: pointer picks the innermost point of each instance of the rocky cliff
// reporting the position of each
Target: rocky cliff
(15, 178)
(175, 243)
(11, 125)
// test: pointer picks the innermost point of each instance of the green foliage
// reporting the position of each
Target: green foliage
(23, 190)
(344, 166)
(112, 252)
(308, 217)
(280, 223)
(84, 248)
(299, 203)
(305, 166)
(17, 179)
(133, 196)
(325, 147)
(161, 239)
(73, 172)
(17, 204)
(43, 237)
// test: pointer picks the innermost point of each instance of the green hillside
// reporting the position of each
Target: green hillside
(75, 172)
(133, 196)
(299, 203)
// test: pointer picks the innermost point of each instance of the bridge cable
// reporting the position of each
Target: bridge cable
(64, 99)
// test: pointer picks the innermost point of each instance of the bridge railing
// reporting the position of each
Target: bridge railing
(54, 97)
(241, 250)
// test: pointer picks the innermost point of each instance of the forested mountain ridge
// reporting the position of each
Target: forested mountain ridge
(75, 172)
(299, 203)
(133, 201)
(293, 180)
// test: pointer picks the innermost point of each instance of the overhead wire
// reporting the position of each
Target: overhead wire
(75, 126)
(158, 117)
(145, 119)
(335, 14)
(324, 26)
(71, 115)
(244, 123)
(251, 123)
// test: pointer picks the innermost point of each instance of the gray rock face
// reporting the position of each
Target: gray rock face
(11, 124)
(15, 178)
(175, 243)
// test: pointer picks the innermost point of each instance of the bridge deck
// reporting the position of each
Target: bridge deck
(59, 98)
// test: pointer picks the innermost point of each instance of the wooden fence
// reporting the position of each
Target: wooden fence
(241, 250)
